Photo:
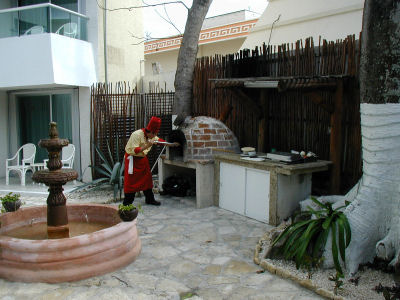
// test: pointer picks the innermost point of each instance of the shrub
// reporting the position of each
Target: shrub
(306, 239)
(10, 197)
(113, 172)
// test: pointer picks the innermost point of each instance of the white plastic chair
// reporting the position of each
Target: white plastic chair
(34, 30)
(67, 156)
(24, 159)
(68, 29)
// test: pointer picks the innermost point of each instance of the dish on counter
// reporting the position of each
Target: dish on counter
(253, 158)
(248, 155)
(246, 150)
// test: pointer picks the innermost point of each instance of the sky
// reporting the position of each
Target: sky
(155, 27)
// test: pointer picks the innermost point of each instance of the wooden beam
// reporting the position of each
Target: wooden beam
(317, 99)
(250, 102)
(262, 124)
(336, 139)
(225, 113)
(284, 87)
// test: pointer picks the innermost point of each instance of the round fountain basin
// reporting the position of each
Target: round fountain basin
(69, 259)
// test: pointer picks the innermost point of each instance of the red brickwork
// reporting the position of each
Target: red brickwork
(206, 136)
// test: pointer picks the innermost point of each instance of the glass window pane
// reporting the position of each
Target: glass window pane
(68, 4)
(61, 114)
(33, 19)
(9, 24)
(58, 19)
(31, 2)
(34, 119)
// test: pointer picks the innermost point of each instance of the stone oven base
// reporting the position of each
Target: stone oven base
(203, 170)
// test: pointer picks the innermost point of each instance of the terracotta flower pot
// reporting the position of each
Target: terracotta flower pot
(11, 205)
(128, 215)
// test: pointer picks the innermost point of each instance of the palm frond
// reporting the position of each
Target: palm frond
(304, 240)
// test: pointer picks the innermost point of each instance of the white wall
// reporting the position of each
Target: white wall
(44, 60)
(167, 61)
(73, 61)
(84, 114)
(4, 154)
(222, 47)
(26, 60)
(123, 57)
(306, 18)
(90, 9)
(224, 19)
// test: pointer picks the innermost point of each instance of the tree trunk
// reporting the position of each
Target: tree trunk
(187, 59)
(374, 213)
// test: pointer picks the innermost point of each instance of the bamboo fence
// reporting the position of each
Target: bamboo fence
(118, 110)
(293, 121)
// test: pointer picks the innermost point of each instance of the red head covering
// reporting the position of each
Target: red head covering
(154, 125)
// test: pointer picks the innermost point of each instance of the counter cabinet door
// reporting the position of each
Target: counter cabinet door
(232, 189)
(257, 194)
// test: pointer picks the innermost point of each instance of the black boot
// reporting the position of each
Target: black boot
(129, 198)
(150, 198)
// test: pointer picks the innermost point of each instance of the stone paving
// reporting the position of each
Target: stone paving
(186, 253)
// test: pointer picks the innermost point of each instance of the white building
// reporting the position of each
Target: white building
(286, 21)
(223, 34)
(51, 52)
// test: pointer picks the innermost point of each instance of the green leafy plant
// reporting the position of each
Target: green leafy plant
(311, 264)
(129, 212)
(338, 282)
(129, 207)
(10, 202)
(308, 237)
(112, 171)
(10, 197)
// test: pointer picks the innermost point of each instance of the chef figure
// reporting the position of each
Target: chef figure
(137, 175)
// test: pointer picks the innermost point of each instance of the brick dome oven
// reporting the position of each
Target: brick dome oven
(200, 138)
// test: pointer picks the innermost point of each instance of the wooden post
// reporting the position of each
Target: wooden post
(262, 124)
(336, 140)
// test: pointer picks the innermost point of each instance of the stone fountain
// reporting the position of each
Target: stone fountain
(56, 257)
(55, 177)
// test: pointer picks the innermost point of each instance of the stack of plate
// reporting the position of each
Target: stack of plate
(248, 152)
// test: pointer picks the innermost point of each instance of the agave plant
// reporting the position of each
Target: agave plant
(112, 171)
(307, 238)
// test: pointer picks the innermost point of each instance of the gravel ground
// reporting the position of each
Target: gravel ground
(368, 279)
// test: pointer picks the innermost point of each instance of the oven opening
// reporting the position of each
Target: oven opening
(176, 153)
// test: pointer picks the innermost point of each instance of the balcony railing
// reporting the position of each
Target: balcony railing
(41, 18)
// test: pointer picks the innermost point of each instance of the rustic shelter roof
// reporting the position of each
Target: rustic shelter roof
(281, 83)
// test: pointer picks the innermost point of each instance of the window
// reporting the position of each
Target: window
(35, 114)
(68, 4)
(156, 68)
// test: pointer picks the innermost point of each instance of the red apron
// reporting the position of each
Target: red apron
(141, 178)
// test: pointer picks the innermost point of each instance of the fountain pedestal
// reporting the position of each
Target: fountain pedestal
(55, 177)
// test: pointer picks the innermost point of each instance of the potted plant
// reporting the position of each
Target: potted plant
(11, 202)
(128, 213)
